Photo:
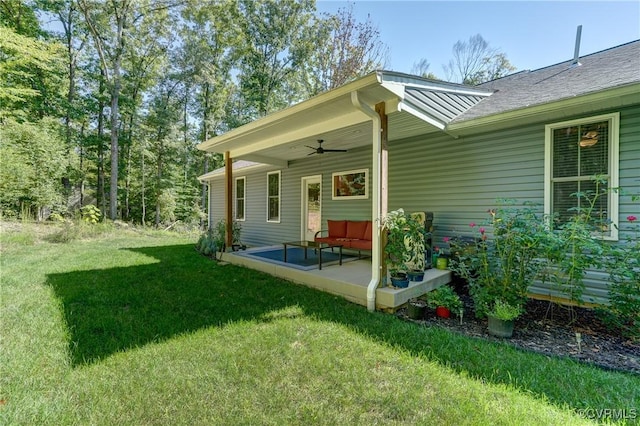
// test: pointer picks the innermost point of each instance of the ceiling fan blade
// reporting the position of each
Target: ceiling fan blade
(311, 153)
(335, 150)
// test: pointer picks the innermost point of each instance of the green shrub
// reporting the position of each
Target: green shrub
(622, 262)
(504, 311)
(90, 214)
(446, 297)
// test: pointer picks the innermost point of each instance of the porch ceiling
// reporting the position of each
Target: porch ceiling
(414, 106)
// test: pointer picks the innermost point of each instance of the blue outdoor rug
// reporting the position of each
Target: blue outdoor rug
(295, 257)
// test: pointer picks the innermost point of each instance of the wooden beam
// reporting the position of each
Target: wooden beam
(228, 175)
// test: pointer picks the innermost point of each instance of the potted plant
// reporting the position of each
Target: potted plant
(444, 300)
(416, 308)
(405, 247)
(501, 318)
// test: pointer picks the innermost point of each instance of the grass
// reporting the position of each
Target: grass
(137, 328)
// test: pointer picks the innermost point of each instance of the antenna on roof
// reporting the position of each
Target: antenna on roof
(576, 52)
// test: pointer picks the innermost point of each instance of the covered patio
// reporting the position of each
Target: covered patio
(364, 116)
(349, 280)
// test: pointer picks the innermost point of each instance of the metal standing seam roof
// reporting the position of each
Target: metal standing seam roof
(441, 105)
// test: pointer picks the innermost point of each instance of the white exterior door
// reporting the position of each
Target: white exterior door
(311, 206)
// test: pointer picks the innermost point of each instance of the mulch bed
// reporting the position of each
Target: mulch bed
(547, 329)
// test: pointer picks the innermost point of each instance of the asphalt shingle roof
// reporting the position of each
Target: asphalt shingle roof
(608, 69)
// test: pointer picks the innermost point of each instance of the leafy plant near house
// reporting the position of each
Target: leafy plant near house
(213, 240)
(574, 246)
(444, 296)
(622, 263)
(405, 246)
(504, 311)
(502, 267)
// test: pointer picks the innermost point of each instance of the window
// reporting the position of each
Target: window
(273, 197)
(241, 184)
(575, 152)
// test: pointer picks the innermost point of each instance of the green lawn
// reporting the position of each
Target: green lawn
(138, 328)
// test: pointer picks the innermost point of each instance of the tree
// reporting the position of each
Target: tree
(475, 62)
(346, 49)
(32, 164)
(30, 70)
(211, 43)
(421, 68)
(273, 49)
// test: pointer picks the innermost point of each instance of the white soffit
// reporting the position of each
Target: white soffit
(277, 137)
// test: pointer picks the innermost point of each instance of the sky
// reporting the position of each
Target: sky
(532, 34)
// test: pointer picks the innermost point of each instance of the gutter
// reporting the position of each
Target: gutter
(375, 200)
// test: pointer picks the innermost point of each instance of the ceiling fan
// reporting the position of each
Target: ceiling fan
(321, 150)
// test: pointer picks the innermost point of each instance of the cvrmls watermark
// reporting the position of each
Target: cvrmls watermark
(609, 413)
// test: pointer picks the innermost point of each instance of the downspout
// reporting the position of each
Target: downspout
(375, 201)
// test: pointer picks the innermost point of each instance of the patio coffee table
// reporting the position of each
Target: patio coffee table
(314, 245)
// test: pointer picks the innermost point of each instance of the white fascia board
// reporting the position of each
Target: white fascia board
(403, 106)
(267, 160)
(352, 117)
(277, 117)
(219, 173)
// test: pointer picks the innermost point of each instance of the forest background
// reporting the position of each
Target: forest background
(103, 102)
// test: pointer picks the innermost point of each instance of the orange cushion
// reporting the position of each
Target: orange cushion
(337, 228)
(368, 232)
(356, 229)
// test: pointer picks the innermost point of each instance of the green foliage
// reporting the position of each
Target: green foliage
(210, 242)
(405, 245)
(90, 214)
(504, 266)
(31, 72)
(622, 263)
(33, 161)
(504, 311)
(446, 297)
(575, 246)
(274, 46)
(214, 239)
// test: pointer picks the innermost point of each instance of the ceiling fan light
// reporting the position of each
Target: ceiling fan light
(589, 139)
(586, 142)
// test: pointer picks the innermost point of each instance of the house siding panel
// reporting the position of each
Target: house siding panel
(459, 179)
(456, 179)
(257, 231)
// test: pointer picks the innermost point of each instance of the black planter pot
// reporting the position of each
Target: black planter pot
(416, 310)
(416, 275)
(400, 280)
(500, 328)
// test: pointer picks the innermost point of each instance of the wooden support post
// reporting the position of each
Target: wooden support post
(228, 173)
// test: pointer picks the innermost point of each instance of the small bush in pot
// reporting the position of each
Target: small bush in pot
(405, 245)
(444, 297)
(501, 318)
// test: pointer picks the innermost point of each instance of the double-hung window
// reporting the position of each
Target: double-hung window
(273, 196)
(241, 186)
(576, 152)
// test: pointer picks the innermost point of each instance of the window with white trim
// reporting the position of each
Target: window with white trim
(576, 152)
(273, 196)
(241, 186)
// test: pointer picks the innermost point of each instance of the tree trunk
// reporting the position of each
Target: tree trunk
(101, 195)
(205, 136)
